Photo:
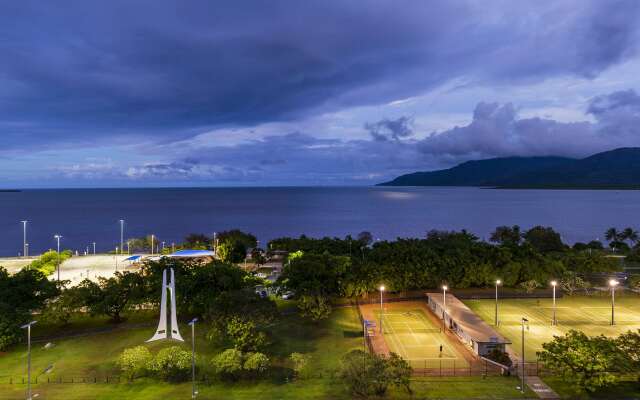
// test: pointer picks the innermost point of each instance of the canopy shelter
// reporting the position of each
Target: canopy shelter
(133, 258)
(192, 254)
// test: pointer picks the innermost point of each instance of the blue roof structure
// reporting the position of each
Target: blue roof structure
(193, 253)
(132, 258)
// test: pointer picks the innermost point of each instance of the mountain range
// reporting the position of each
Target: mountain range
(619, 168)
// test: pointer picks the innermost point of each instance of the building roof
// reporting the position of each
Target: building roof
(468, 321)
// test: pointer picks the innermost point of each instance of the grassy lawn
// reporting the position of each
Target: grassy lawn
(590, 314)
(95, 355)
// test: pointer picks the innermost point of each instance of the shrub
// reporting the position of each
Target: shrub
(256, 363)
(228, 364)
(245, 336)
(300, 364)
(171, 364)
(134, 361)
(367, 374)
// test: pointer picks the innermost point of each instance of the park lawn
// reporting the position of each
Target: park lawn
(589, 314)
(326, 342)
(627, 388)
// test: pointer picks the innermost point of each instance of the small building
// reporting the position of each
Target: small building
(470, 328)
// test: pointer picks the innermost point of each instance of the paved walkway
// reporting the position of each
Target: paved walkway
(540, 388)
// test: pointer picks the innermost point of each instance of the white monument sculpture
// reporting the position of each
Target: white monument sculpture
(161, 331)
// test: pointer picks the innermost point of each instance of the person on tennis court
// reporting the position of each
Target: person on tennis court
(440, 351)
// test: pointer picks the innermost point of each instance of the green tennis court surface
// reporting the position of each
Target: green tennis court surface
(409, 333)
(589, 314)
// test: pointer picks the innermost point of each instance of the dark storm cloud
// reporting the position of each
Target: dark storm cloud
(386, 129)
(83, 71)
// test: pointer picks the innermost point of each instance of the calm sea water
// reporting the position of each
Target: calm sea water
(85, 216)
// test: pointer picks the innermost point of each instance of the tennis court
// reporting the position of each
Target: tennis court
(418, 338)
(589, 314)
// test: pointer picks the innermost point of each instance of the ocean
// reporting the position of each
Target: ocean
(83, 216)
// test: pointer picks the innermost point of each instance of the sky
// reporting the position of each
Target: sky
(253, 93)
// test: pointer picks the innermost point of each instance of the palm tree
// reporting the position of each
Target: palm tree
(612, 235)
(630, 235)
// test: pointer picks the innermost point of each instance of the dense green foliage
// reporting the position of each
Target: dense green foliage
(368, 374)
(20, 295)
(110, 296)
(324, 268)
(134, 361)
(592, 362)
(233, 364)
(171, 364)
(48, 261)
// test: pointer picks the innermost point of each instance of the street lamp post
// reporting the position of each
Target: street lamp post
(58, 237)
(498, 282)
(193, 357)
(162, 246)
(152, 237)
(94, 248)
(381, 309)
(24, 239)
(613, 283)
(444, 307)
(116, 257)
(554, 321)
(28, 328)
(524, 321)
(121, 236)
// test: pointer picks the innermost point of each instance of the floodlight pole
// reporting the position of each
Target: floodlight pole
(121, 236)
(24, 239)
(28, 328)
(152, 237)
(381, 309)
(524, 320)
(613, 283)
(444, 307)
(193, 357)
(58, 237)
(554, 321)
(497, 283)
(94, 248)
(116, 257)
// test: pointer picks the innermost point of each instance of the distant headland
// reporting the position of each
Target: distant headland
(615, 169)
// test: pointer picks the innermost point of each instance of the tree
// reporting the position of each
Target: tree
(315, 307)
(366, 238)
(629, 344)
(572, 282)
(399, 371)
(630, 234)
(315, 278)
(530, 286)
(588, 363)
(245, 336)
(506, 236)
(612, 235)
(256, 364)
(544, 239)
(60, 309)
(20, 295)
(172, 364)
(134, 361)
(196, 241)
(229, 364)
(48, 262)
(367, 374)
(300, 364)
(111, 296)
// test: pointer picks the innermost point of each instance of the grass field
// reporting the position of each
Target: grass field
(589, 314)
(326, 342)
(411, 334)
